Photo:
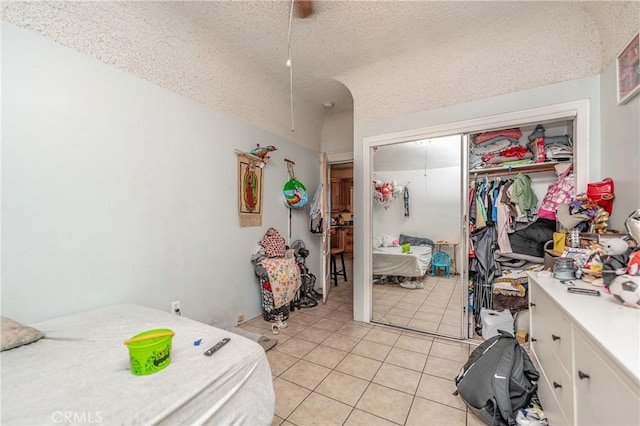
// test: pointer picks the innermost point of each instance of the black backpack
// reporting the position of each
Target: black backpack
(497, 380)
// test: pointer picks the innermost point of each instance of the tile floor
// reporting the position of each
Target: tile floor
(330, 370)
(436, 308)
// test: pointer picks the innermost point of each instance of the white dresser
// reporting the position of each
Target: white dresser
(587, 350)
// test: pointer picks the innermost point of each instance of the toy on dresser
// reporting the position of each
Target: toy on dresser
(623, 264)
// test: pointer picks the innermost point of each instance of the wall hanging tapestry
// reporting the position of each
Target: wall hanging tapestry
(249, 191)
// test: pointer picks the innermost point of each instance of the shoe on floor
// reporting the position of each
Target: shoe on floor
(419, 284)
(408, 284)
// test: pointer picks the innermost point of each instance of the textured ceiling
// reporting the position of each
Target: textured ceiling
(396, 57)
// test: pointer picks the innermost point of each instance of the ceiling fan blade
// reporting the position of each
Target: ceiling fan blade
(304, 8)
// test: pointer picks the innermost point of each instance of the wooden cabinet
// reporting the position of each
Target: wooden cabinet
(348, 243)
(586, 350)
(341, 190)
(342, 236)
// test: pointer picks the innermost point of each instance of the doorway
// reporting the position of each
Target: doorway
(341, 222)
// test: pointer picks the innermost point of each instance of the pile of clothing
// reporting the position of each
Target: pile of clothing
(556, 148)
(498, 148)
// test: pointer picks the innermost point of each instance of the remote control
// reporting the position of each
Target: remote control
(587, 291)
(217, 346)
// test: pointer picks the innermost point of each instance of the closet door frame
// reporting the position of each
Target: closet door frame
(578, 111)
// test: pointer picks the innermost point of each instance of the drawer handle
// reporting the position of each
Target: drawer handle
(533, 339)
(533, 305)
(554, 337)
(557, 385)
(582, 375)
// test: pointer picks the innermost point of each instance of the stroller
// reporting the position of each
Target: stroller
(307, 296)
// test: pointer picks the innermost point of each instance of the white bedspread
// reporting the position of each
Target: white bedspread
(391, 261)
(82, 367)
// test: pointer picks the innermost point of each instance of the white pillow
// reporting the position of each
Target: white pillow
(387, 241)
(377, 242)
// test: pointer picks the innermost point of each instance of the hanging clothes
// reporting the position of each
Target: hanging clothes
(406, 201)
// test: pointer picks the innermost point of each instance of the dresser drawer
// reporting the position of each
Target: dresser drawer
(550, 405)
(603, 396)
(550, 331)
(561, 385)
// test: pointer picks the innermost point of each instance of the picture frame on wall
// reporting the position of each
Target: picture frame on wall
(628, 71)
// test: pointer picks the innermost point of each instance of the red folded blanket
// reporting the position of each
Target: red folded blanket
(507, 133)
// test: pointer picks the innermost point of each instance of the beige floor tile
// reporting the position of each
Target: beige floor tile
(277, 421)
(362, 418)
(252, 329)
(410, 302)
(387, 403)
(408, 313)
(450, 352)
(395, 320)
(319, 410)
(427, 316)
(288, 397)
(280, 362)
(432, 309)
(444, 368)
(296, 347)
(418, 334)
(345, 307)
(305, 319)
(292, 328)
(306, 374)
(414, 344)
(407, 359)
(342, 387)
(354, 330)
(398, 378)
(314, 334)
(328, 324)
(370, 349)
(341, 316)
(359, 366)
(386, 337)
(449, 330)
(439, 390)
(424, 412)
(286, 423)
(423, 325)
(340, 341)
(325, 356)
(384, 302)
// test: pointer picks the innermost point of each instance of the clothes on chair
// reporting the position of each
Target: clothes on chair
(441, 259)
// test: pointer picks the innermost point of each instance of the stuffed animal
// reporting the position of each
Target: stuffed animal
(616, 247)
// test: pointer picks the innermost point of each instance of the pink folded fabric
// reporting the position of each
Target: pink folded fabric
(507, 133)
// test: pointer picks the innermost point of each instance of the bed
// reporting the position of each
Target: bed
(80, 373)
(391, 261)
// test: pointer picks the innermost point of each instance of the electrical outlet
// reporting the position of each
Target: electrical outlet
(175, 307)
(240, 318)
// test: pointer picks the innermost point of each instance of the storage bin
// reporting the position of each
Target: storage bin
(492, 321)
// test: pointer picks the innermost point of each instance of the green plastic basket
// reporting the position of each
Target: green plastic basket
(149, 354)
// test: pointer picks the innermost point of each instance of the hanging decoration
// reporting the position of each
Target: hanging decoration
(384, 193)
(294, 191)
(249, 190)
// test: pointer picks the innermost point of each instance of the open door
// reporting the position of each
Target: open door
(326, 227)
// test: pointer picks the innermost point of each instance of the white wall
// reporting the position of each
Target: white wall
(336, 137)
(620, 148)
(116, 190)
(434, 205)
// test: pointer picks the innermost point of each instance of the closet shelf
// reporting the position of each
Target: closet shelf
(547, 166)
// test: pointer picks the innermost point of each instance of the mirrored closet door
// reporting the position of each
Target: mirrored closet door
(416, 231)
